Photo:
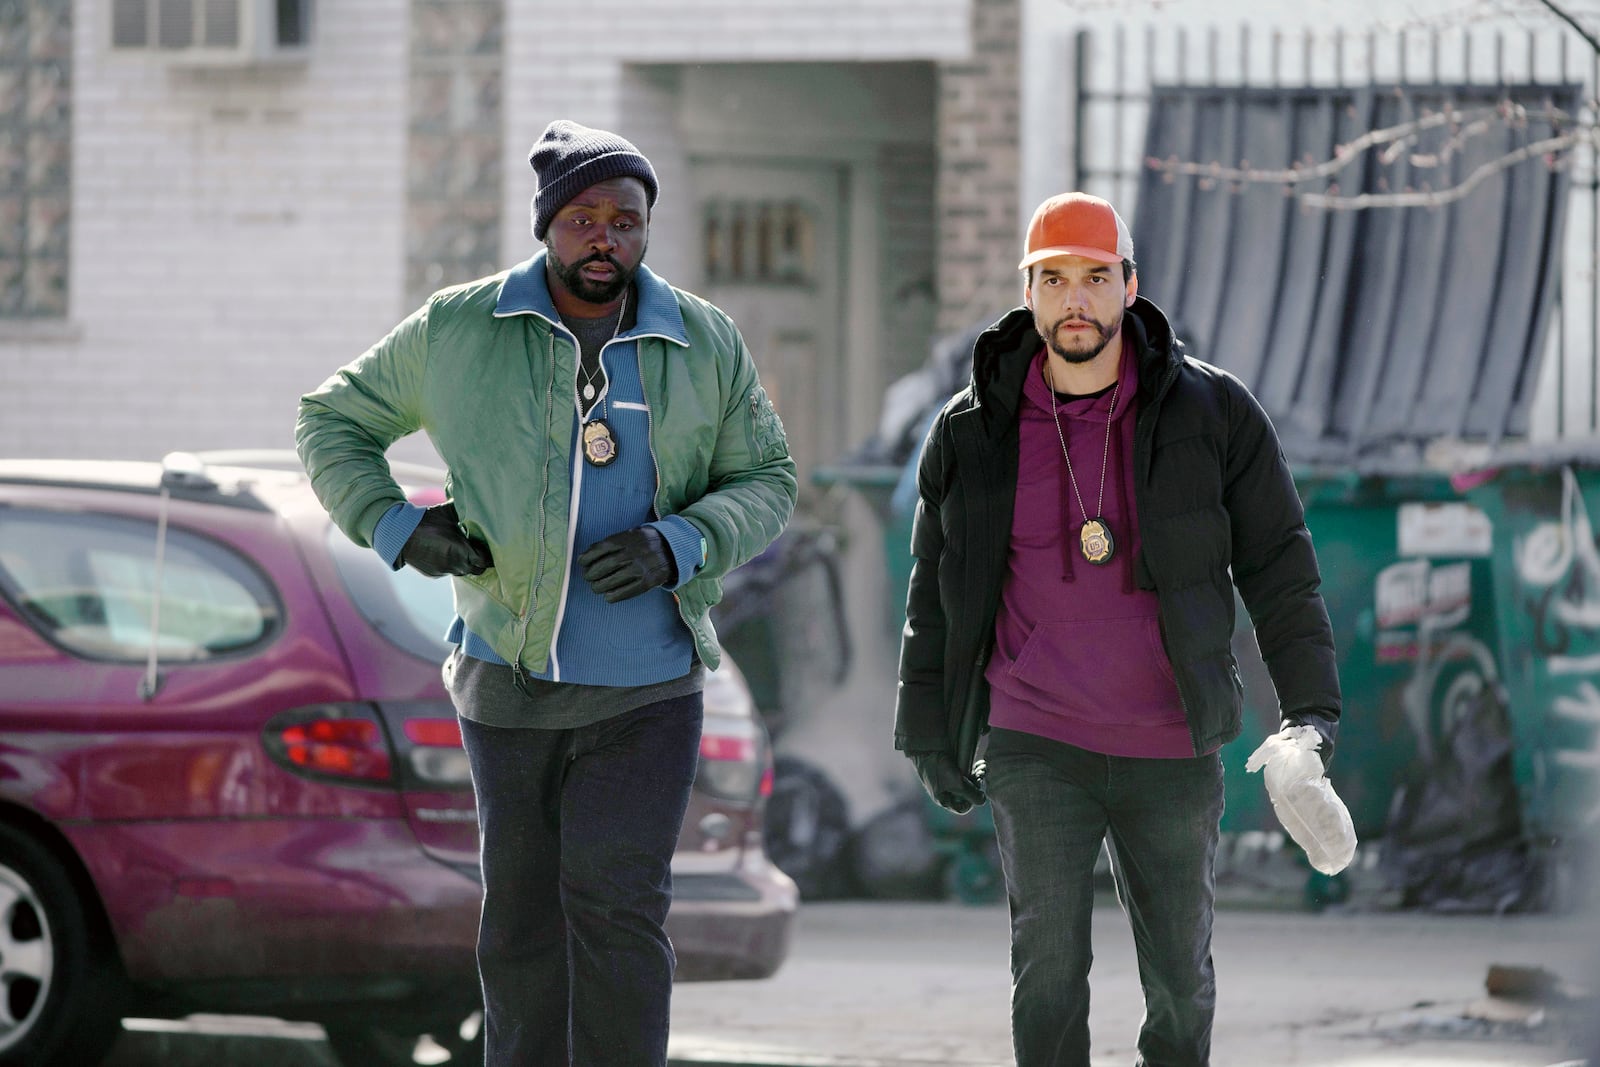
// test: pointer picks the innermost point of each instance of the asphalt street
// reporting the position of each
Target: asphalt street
(893, 984)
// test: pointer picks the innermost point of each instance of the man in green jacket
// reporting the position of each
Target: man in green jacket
(611, 457)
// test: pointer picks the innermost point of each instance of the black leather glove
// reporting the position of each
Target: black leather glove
(1324, 723)
(949, 788)
(437, 546)
(626, 564)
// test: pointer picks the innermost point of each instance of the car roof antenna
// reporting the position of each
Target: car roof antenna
(177, 468)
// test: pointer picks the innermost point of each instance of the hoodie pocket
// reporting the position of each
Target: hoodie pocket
(1108, 671)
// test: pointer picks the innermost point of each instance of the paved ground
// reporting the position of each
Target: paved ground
(917, 985)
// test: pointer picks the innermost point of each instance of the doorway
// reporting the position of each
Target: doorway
(770, 256)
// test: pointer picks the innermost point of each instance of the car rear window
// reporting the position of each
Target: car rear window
(411, 610)
(87, 582)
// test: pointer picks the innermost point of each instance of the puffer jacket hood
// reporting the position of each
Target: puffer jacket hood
(1002, 353)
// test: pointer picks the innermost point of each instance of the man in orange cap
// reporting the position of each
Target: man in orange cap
(1087, 506)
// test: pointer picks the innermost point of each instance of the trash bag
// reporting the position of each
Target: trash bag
(1304, 799)
(1453, 839)
(894, 856)
(808, 830)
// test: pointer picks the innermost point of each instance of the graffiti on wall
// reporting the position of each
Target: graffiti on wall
(1558, 570)
(1422, 608)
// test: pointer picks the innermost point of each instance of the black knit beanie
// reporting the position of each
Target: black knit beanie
(569, 158)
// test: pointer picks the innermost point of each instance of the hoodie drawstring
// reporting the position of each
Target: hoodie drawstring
(1068, 538)
(1125, 537)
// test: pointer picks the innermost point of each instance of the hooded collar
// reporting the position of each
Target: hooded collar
(1004, 353)
(526, 292)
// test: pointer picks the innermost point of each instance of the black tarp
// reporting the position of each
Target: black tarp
(1369, 333)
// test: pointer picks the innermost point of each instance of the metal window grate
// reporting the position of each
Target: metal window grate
(211, 30)
(293, 23)
(130, 23)
(221, 29)
(175, 24)
(1203, 95)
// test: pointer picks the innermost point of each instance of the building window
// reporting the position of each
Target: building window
(759, 242)
(35, 156)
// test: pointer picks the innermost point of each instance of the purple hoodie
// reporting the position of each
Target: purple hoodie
(1078, 655)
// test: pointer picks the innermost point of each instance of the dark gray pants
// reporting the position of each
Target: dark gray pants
(1054, 806)
(577, 832)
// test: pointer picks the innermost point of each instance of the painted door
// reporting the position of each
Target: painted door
(771, 256)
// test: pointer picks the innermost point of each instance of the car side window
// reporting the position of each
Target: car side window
(87, 582)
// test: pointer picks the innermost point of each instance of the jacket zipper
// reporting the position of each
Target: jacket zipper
(1138, 483)
(538, 572)
(649, 431)
(575, 496)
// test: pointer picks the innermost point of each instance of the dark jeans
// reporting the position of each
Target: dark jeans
(1054, 805)
(577, 831)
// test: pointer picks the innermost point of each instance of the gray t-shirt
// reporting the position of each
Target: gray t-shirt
(592, 335)
(487, 693)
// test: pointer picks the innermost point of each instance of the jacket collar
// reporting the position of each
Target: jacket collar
(1001, 357)
(525, 292)
(1158, 348)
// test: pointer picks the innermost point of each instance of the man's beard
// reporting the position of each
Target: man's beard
(1103, 335)
(589, 291)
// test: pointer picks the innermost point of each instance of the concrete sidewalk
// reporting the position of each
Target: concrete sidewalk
(890, 984)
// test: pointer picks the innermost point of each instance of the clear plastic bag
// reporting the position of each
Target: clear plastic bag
(1304, 799)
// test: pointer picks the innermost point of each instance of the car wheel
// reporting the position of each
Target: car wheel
(384, 1044)
(60, 983)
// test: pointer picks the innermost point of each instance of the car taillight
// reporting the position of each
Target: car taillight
(435, 733)
(435, 755)
(333, 741)
(732, 759)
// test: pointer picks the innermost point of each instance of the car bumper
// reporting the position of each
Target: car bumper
(730, 922)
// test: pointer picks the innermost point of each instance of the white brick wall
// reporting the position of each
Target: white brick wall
(235, 237)
(559, 66)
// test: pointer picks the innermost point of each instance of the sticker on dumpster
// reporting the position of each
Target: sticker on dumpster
(1412, 593)
(1444, 530)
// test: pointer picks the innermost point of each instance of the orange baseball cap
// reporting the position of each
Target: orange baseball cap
(1077, 224)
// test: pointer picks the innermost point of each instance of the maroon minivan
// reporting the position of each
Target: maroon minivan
(230, 779)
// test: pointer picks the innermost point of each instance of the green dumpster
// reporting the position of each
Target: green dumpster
(1459, 612)
(1547, 578)
(1408, 585)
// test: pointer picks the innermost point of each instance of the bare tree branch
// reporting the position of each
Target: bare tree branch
(1439, 197)
(1471, 121)
(1561, 13)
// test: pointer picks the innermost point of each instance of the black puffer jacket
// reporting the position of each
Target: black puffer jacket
(1212, 492)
